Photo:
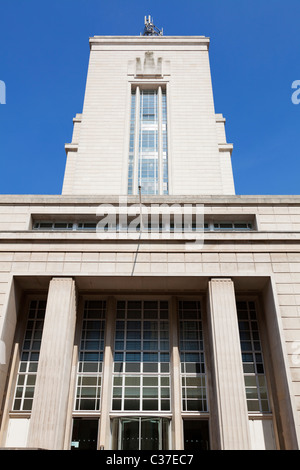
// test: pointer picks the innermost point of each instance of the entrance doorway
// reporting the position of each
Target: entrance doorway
(196, 434)
(141, 434)
(85, 433)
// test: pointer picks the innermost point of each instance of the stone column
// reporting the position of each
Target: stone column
(51, 396)
(228, 388)
(107, 374)
(177, 425)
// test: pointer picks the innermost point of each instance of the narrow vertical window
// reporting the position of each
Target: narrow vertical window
(252, 358)
(193, 374)
(148, 143)
(30, 356)
(90, 362)
(131, 144)
(164, 145)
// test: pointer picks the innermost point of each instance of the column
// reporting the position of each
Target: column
(177, 425)
(50, 404)
(228, 390)
(108, 362)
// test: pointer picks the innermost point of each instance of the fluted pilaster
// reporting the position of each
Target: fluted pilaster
(228, 389)
(50, 404)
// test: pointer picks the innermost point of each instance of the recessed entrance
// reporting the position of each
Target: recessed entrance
(85, 432)
(141, 433)
(196, 434)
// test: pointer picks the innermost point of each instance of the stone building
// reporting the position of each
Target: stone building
(148, 306)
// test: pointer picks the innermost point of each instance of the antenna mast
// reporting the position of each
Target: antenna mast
(150, 29)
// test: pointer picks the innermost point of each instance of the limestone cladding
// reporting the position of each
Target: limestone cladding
(270, 251)
(199, 157)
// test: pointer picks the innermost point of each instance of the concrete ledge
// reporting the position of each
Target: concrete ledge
(25, 199)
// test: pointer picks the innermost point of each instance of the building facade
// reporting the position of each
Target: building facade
(148, 306)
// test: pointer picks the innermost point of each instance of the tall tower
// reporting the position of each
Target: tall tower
(149, 120)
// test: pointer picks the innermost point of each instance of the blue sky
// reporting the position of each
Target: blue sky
(254, 54)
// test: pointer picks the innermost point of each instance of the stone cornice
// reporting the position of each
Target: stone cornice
(234, 200)
(149, 40)
(246, 238)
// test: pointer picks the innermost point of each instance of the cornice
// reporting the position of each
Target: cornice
(226, 200)
(149, 40)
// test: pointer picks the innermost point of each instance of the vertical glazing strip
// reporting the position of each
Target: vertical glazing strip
(165, 165)
(160, 142)
(131, 142)
(136, 141)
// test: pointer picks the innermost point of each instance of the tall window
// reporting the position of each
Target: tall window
(30, 356)
(131, 143)
(148, 143)
(252, 357)
(141, 379)
(193, 373)
(164, 145)
(90, 362)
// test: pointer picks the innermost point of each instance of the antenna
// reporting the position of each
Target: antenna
(150, 29)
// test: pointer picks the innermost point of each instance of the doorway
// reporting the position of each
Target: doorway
(141, 433)
(85, 433)
(196, 434)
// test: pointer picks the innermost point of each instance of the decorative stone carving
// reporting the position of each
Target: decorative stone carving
(149, 66)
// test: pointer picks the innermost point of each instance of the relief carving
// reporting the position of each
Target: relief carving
(149, 66)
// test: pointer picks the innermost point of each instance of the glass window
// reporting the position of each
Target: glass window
(149, 157)
(165, 144)
(193, 372)
(252, 358)
(141, 350)
(149, 170)
(53, 226)
(232, 226)
(89, 374)
(29, 357)
(131, 143)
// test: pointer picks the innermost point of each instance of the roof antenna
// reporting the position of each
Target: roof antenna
(150, 29)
